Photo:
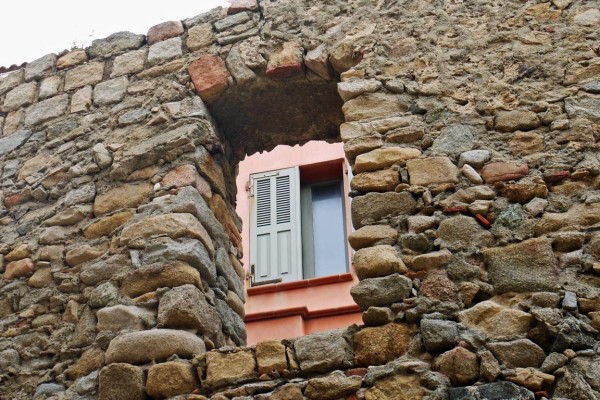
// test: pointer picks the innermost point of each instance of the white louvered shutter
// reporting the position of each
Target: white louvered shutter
(275, 248)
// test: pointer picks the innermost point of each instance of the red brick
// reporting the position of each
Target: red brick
(483, 221)
(18, 269)
(164, 31)
(287, 62)
(455, 210)
(210, 76)
(238, 6)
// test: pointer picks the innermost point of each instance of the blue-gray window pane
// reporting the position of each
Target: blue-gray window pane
(328, 229)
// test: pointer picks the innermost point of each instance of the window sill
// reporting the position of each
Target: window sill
(278, 287)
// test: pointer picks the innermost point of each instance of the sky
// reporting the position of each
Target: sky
(30, 29)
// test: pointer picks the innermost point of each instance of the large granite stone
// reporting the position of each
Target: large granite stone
(375, 206)
(529, 266)
(153, 345)
(323, 352)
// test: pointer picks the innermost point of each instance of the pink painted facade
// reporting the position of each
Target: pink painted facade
(290, 309)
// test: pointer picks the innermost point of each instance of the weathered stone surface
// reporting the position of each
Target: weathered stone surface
(89, 361)
(88, 74)
(286, 63)
(115, 43)
(164, 51)
(317, 61)
(378, 181)
(438, 286)
(525, 143)
(353, 147)
(438, 335)
(85, 331)
(462, 232)
(381, 291)
(14, 141)
(430, 261)
(185, 307)
(50, 87)
(38, 165)
(121, 381)
(81, 101)
(504, 171)
(18, 269)
(584, 107)
(125, 196)
(210, 77)
(120, 317)
(510, 121)
(400, 387)
(153, 345)
(322, 352)
(46, 110)
(42, 277)
(475, 158)
(334, 386)
(524, 192)
(163, 31)
(458, 364)
(377, 261)
(171, 379)
(495, 320)
(229, 368)
(432, 170)
(379, 345)
(352, 88)
(106, 225)
(71, 59)
(129, 63)
(523, 267)
(373, 106)
(383, 158)
(43, 66)
(187, 175)
(520, 353)
(21, 96)
(18, 253)
(375, 206)
(103, 295)
(238, 6)
(172, 225)
(109, 92)
(454, 139)
(271, 357)
(101, 270)
(531, 378)
(492, 391)
(190, 251)
(372, 235)
(580, 215)
(150, 278)
(200, 36)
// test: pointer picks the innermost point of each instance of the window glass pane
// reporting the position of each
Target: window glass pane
(328, 229)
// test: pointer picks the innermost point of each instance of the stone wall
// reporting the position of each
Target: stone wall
(473, 132)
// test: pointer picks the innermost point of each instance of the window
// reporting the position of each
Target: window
(298, 223)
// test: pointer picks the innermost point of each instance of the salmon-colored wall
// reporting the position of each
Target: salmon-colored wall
(294, 311)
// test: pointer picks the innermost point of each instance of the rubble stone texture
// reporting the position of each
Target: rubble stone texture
(471, 130)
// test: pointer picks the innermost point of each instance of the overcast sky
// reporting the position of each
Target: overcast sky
(30, 29)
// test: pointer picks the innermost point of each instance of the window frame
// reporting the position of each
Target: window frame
(305, 270)
(307, 227)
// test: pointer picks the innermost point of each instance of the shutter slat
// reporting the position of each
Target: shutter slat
(282, 184)
(263, 202)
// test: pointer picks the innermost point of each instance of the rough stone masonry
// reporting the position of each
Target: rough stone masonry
(473, 131)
